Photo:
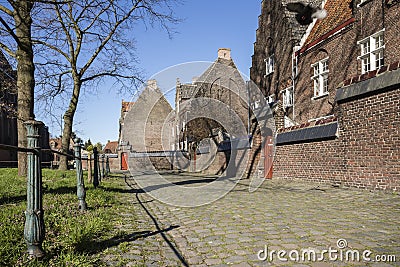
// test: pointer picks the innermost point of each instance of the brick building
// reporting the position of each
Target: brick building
(55, 144)
(337, 87)
(142, 124)
(210, 110)
(8, 109)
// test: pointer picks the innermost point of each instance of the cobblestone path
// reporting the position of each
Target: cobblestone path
(288, 216)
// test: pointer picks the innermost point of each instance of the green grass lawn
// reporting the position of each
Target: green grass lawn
(73, 238)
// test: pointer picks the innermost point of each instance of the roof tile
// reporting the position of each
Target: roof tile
(339, 11)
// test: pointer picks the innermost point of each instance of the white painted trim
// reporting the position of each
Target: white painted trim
(363, 2)
(321, 118)
(320, 61)
(372, 35)
(320, 96)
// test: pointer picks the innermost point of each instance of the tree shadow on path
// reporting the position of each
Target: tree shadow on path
(90, 246)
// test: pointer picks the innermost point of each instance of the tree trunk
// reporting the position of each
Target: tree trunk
(68, 121)
(25, 75)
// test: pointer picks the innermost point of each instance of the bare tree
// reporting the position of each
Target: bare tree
(89, 41)
(15, 30)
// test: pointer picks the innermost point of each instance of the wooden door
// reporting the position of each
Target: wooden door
(124, 161)
(268, 157)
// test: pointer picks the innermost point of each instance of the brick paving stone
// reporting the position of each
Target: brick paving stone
(195, 260)
(211, 262)
(235, 259)
(243, 264)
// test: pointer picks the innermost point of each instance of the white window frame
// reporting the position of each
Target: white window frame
(256, 104)
(320, 78)
(363, 2)
(269, 65)
(271, 98)
(287, 97)
(372, 52)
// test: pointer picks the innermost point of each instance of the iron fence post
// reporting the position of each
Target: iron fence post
(107, 166)
(102, 166)
(96, 168)
(80, 185)
(34, 224)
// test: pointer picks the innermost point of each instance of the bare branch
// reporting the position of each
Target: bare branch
(52, 47)
(8, 50)
(67, 34)
(52, 2)
(9, 30)
(109, 74)
(6, 10)
(95, 18)
(109, 36)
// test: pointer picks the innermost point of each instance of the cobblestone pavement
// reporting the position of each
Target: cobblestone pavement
(146, 244)
(281, 215)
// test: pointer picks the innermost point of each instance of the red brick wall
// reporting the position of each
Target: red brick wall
(365, 155)
(392, 33)
(342, 52)
(370, 132)
(316, 161)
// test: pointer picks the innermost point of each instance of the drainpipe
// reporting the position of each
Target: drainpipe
(294, 75)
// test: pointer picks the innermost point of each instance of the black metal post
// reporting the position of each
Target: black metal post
(34, 224)
(96, 168)
(107, 166)
(80, 184)
(102, 166)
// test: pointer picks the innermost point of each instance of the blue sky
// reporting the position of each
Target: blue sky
(207, 25)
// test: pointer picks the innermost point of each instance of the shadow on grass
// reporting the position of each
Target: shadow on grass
(57, 191)
(60, 190)
(90, 246)
(12, 199)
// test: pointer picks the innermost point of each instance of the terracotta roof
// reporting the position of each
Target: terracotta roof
(111, 147)
(126, 106)
(339, 12)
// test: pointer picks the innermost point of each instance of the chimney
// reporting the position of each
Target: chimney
(224, 53)
(152, 84)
